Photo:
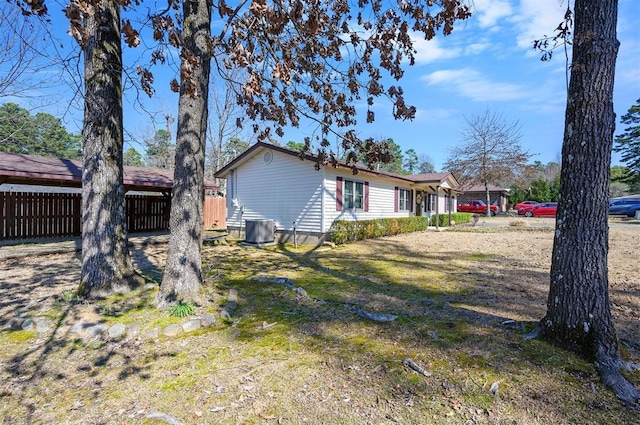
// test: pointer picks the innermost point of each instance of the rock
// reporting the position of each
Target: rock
(15, 323)
(301, 293)
(232, 303)
(151, 333)
(172, 330)
(117, 331)
(77, 327)
(88, 329)
(95, 330)
(208, 319)
(43, 324)
(191, 325)
(134, 330)
(28, 324)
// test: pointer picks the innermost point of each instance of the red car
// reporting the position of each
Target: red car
(520, 206)
(477, 207)
(546, 209)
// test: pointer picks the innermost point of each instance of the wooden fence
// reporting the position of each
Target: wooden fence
(215, 213)
(30, 215)
(147, 213)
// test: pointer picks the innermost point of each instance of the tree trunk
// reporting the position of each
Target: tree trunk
(183, 272)
(487, 196)
(106, 263)
(578, 310)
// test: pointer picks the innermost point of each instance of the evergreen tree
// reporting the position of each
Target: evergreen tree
(132, 158)
(628, 144)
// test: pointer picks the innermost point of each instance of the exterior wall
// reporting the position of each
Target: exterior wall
(269, 184)
(381, 199)
(284, 189)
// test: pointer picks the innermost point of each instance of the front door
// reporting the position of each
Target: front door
(419, 195)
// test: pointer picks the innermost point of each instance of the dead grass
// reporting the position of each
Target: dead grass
(463, 301)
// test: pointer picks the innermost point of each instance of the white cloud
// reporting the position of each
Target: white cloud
(471, 84)
(435, 115)
(489, 12)
(536, 18)
(431, 50)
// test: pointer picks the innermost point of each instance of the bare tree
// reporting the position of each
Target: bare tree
(578, 309)
(18, 51)
(426, 164)
(300, 59)
(490, 152)
(106, 262)
(183, 271)
(224, 116)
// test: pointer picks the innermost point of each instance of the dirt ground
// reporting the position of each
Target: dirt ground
(40, 279)
(500, 271)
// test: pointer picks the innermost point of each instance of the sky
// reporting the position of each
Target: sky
(486, 64)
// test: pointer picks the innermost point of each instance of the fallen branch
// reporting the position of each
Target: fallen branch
(377, 317)
(163, 417)
(413, 366)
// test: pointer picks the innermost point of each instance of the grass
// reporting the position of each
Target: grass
(288, 359)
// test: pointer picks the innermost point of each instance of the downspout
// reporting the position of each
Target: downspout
(323, 189)
(449, 207)
(437, 207)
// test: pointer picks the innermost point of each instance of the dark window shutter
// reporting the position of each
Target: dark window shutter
(395, 199)
(411, 200)
(366, 196)
(338, 193)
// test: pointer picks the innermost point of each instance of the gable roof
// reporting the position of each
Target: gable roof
(38, 170)
(480, 188)
(427, 178)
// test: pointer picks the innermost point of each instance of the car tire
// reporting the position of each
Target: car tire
(493, 213)
(528, 214)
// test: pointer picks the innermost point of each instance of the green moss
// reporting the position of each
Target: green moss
(15, 337)
(480, 256)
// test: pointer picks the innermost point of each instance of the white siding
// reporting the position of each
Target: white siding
(285, 190)
(381, 199)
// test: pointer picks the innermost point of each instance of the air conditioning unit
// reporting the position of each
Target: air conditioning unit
(259, 231)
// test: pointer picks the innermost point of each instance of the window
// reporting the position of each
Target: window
(404, 200)
(353, 195)
(431, 202)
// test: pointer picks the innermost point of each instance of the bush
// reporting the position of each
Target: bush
(457, 218)
(343, 231)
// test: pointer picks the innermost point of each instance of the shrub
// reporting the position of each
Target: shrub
(343, 231)
(457, 218)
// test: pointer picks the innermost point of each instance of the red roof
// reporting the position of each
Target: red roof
(38, 170)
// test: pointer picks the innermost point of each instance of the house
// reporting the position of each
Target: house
(269, 182)
(499, 196)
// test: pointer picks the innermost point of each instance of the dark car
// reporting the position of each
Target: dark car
(546, 209)
(624, 206)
